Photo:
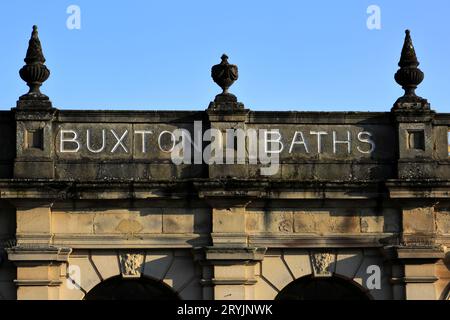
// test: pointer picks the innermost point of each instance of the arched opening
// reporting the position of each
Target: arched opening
(118, 288)
(446, 293)
(326, 288)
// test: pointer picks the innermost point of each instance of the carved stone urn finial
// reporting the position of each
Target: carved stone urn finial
(225, 74)
(409, 76)
(34, 72)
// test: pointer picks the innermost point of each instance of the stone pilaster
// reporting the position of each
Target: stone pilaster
(414, 271)
(40, 271)
(229, 264)
(232, 273)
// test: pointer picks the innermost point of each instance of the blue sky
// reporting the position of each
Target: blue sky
(292, 55)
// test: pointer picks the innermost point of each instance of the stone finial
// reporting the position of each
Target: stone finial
(225, 74)
(34, 72)
(409, 76)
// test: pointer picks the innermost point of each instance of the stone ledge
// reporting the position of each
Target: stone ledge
(321, 241)
(38, 283)
(230, 255)
(228, 188)
(230, 281)
(414, 253)
(141, 241)
(38, 253)
(402, 280)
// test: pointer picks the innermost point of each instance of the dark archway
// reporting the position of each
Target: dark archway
(326, 288)
(118, 288)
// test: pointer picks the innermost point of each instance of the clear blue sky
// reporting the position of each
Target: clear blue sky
(292, 55)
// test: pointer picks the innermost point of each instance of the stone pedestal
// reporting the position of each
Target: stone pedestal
(229, 117)
(415, 144)
(34, 145)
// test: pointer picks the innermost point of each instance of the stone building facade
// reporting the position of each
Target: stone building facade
(94, 204)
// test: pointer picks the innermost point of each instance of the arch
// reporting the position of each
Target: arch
(143, 288)
(323, 288)
(445, 295)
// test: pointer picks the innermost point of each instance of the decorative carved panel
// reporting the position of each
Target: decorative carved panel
(321, 262)
(131, 264)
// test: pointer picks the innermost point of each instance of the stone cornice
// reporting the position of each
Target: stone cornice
(414, 253)
(129, 116)
(418, 188)
(229, 255)
(141, 241)
(30, 252)
(321, 241)
(232, 188)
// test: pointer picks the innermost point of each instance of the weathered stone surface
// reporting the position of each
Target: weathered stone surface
(348, 262)
(157, 264)
(70, 293)
(38, 293)
(177, 220)
(228, 220)
(372, 223)
(298, 262)
(222, 292)
(443, 220)
(421, 291)
(310, 222)
(88, 278)
(34, 219)
(264, 291)
(275, 271)
(230, 272)
(130, 222)
(418, 220)
(181, 272)
(279, 221)
(380, 220)
(326, 221)
(73, 222)
(106, 263)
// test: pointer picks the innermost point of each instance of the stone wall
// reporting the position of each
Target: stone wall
(226, 231)
(146, 224)
(324, 220)
(7, 239)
